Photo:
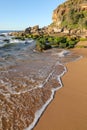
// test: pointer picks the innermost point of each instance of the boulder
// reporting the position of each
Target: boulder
(28, 30)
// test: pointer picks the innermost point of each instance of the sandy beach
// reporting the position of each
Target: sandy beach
(68, 110)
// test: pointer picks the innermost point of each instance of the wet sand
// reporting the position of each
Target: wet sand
(68, 110)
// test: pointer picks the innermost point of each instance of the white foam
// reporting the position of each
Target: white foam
(16, 41)
(63, 53)
(29, 40)
(4, 34)
(39, 112)
(42, 85)
(21, 41)
(1, 45)
(2, 82)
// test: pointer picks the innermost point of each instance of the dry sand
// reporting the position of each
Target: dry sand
(68, 110)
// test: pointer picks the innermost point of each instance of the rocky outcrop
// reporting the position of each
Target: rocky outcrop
(70, 17)
(35, 30)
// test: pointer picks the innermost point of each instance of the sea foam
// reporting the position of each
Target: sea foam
(40, 112)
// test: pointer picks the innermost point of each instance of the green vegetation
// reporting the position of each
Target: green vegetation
(72, 14)
(74, 19)
(20, 37)
(83, 39)
(81, 46)
(31, 36)
(44, 42)
(26, 36)
(41, 44)
(47, 42)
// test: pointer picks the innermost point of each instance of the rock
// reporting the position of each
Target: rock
(36, 27)
(66, 31)
(28, 30)
(78, 31)
(57, 30)
(72, 16)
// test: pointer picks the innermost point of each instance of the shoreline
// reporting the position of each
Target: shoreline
(63, 113)
(32, 94)
(40, 112)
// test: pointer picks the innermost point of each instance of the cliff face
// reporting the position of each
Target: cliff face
(69, 17)
(72, 14)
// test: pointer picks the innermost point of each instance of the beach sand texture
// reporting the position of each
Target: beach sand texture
(68, 110)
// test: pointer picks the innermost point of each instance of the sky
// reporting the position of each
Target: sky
(20, 14)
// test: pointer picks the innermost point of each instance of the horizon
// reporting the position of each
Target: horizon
(18, 15)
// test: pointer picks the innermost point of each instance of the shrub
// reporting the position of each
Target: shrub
(81, 46)
(63, 45)
(46, 42)
(50, 40)
(41, 45)
(83, 39)
(34, 36)
(28, 35)
(71, 42)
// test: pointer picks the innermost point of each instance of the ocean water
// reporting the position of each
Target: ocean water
(8, 31)
(28, 81)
